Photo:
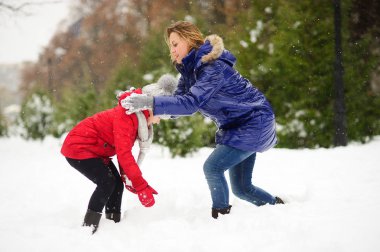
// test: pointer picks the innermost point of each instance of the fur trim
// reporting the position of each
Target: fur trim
(217, 48)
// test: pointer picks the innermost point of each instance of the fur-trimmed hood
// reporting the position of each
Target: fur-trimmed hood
(217, 48)
(212, 49)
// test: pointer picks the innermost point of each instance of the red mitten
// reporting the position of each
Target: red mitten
(146, 196)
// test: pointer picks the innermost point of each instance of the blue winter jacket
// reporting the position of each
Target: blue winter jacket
(209, 84)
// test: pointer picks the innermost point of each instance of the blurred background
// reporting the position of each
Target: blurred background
(318, 63)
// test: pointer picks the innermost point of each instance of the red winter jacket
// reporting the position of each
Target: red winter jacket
(105, 134)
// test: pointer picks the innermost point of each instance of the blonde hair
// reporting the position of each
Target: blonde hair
(187, 31)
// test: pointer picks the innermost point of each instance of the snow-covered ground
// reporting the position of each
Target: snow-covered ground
(332, 195)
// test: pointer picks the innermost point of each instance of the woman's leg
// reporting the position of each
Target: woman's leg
(220, 160)
(241, 183)
(98, 172)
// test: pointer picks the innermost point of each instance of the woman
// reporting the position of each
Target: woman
(245, 120)
(89, 146)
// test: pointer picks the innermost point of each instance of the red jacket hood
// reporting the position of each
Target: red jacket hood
(128, 93)
(125, 94)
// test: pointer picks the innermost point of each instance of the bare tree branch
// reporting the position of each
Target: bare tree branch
(22, 6)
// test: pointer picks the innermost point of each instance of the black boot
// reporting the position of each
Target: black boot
(92, 219)
(215, 211)
(114, 216)
(279, 201)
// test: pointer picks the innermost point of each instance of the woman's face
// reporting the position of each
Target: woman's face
(179, 47)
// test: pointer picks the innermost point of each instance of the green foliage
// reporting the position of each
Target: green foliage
(362, 105)
(3, 126)
(186, 134)
(155, 57)
(74, 107)
(153, 62)
(302, 74)
(287, 51)
(36, 116)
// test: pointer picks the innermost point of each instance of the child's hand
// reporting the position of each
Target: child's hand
(146, 196)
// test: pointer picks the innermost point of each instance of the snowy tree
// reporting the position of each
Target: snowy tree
(3, 125)
(36, 116)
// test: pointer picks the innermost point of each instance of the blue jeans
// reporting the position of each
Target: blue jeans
(240, 165)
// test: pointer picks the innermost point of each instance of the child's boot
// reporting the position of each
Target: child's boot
(92, 219)
(114, 216)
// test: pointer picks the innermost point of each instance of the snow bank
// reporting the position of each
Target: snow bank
(332, 203)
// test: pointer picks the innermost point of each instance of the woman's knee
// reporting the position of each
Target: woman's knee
(210, 169)
(241, 191)
(238, 192)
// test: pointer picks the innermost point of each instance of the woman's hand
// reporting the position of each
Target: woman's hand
(137, 102)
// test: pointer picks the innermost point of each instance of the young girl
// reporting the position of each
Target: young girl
(245, 119)
(90, 145)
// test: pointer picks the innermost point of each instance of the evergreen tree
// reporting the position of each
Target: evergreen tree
(36, 116)
(3, 126)
(74, 107)
(286, 49)
(186, 134)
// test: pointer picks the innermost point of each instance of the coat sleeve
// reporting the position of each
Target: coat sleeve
(124, 136)
(209, 80)
(180, 87)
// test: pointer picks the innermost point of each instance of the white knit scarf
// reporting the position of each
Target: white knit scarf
(145, 136)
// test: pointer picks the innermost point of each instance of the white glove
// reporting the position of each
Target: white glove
(137, 102)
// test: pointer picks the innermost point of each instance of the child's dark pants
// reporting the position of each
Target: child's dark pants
(104, 174)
